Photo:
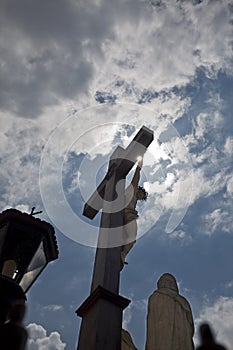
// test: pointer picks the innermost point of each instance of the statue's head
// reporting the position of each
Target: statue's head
(167, 281)
(206, 333)
(141, 194)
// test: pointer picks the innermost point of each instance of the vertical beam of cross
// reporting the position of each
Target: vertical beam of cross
(102, 311)
(107, 264)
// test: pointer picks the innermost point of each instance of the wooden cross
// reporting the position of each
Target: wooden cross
(102, 310)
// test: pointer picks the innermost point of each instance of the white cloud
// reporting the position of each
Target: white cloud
(189, 186)
(39, 340)
(127, 317)
(220, 317)
(134, 42)
(159, 54)
(181, 235)
(140, 305)
(53, 307)
(230, 187)
(229, 284)
(180, 191)
(180, 38)
(215, 99)
(218, 220)
(206, 122)
(24, 208)
(228, 147)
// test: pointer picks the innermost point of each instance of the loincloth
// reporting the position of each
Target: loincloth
(130, 215)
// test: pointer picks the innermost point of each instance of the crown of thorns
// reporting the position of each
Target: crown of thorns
(145, 194)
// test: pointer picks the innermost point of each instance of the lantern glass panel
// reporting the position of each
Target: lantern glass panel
(36, 265)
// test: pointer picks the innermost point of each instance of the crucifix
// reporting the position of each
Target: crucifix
(102, 311)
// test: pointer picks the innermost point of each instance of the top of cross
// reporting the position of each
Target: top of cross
(121, 160)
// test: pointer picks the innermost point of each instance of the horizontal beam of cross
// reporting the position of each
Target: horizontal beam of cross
(122, 160)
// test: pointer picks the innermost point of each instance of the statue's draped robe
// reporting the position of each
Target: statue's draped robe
(169, 321)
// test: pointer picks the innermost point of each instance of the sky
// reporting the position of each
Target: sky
(79, 78)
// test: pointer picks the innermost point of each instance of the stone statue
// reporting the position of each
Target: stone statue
(207, 339)
(169, 319)
(126, 341)
(133, 193)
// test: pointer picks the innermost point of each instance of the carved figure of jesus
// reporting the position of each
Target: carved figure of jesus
(133, 193)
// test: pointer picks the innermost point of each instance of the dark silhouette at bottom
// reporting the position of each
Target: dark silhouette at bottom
(13, 336)
(207, 339)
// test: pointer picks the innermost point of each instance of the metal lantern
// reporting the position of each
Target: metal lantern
(27, 245)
